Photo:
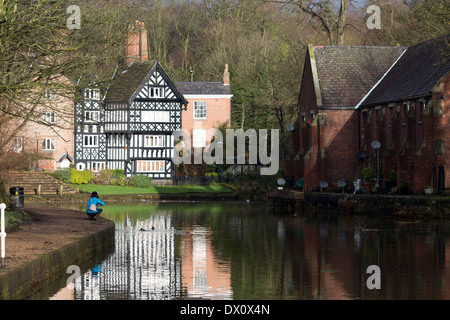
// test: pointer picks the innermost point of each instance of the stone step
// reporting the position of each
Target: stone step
(31, 180)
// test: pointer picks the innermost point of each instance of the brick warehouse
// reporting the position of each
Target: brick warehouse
(354, 95)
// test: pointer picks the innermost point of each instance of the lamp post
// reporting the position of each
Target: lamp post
(37, 148)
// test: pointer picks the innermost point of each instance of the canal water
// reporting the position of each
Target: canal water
(241, 251)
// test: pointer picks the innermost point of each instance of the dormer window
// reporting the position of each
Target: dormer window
(93, 94)
(156, 92)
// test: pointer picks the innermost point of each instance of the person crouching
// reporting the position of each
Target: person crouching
(93, 210)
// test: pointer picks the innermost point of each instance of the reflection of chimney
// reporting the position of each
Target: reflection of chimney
(137, 49)
(226, 76)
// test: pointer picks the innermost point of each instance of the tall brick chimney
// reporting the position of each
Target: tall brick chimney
(226, 76)
(137, 48)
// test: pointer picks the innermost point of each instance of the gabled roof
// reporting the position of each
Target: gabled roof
(128, 83)
(65, 156)
(345, 74)
(415, 74)
(203, 88)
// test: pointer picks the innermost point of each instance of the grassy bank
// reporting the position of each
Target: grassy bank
(106, 189)
(14, 218)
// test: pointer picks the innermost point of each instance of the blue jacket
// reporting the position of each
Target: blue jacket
(95, 201)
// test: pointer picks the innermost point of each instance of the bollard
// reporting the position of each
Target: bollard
(3, 233)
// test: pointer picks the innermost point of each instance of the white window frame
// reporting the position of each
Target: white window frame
(200, 110)
(97, 166)
(199, 138)
(93, 94)
(49, 144)
(49, 95)
(17, 144)
(91, 116)
(145, 166)
(156, 92)
(90, 141)
(154, 141)
(49, 117)
(155, 116)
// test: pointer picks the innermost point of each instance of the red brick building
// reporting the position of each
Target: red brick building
(352, 96)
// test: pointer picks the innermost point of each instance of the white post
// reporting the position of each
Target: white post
(3, 233)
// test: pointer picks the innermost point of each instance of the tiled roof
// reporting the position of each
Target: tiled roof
(203, 88)
(126, 83)
(415, 74)
(347, 73)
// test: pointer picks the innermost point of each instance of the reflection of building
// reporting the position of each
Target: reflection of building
(143, 267)
(202, 274)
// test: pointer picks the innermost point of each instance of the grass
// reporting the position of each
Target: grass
(13, 218)
(105, 189)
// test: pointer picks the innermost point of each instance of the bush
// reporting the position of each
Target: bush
(140, 181)
(103, 177)
(211, 174)
(118, 173)
(62, 174)
(369, 173)
(119, 181)
(80, 177)
(391, 180)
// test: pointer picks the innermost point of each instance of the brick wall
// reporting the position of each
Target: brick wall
(218, 111)
(414, 137)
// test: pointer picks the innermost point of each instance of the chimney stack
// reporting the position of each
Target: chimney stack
(137, 48)
(226, 76)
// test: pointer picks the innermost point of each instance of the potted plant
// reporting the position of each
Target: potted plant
(391, 181)
(369, 175)
(428, 189)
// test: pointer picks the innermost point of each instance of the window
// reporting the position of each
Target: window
(49, 144)
(93, 94)
(199, 109)
(150, 166)
(90, 141)
(48, 95)
(17, 144)
(49, 117)
(97, 166)
(156, 92)
(91, 116)
(199, 138)
(155, 116)
(153, 141)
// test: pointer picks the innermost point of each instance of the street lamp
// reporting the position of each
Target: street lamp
(37, 148)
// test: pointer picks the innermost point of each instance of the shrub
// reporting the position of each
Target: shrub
(118, 173)
(62, 174)
(119, 181)
(211, 174)
(103, 177)
(369, 173)
(140, 181)
(80, 177)
(391, 180)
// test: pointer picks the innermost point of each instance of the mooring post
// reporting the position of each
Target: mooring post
(3, 233)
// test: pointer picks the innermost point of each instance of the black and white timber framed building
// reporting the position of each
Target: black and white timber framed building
(130, 125)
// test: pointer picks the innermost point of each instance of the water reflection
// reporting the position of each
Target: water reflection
(245, 251)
